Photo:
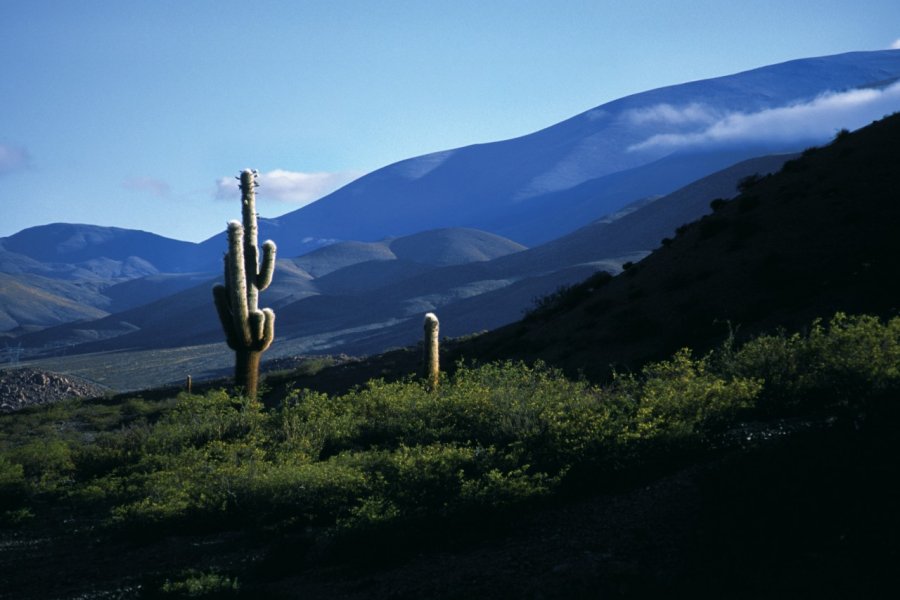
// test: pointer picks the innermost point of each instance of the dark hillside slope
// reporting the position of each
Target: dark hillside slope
(817, 237)
(557, 213)
(643, 228)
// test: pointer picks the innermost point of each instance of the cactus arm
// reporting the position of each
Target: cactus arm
(223, 308)
(238, 283)
(257, 325)
(268, 333)
(267, 268)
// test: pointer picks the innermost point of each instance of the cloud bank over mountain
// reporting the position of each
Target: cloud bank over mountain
(666, 114)
(813, 121)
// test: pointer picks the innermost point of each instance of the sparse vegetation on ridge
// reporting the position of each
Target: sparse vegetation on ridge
(491, 436)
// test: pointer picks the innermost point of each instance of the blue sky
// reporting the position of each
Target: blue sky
(133, 114)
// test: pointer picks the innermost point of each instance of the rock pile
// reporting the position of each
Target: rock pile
(24, 387)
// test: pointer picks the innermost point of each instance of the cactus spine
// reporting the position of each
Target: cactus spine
(249, 331)
(432, 348)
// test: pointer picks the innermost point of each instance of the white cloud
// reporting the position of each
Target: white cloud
(157, 187)
(815, 121)
(13, 158)
(290, 186)
(896, 44)
(671, 115)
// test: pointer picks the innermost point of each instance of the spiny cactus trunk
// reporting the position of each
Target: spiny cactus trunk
(249, 331)
(432, 351)
(246, 371)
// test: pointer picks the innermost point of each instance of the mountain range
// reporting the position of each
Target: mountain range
(475, 233)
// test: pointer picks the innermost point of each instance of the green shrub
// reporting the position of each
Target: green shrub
(683, 400)
(197, 584)
(853, 356)
(844, 363)
(48, 463)
(497, 488)
(308, 422)
(12, 484)
(198, 419)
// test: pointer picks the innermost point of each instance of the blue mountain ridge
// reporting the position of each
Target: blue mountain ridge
(513, 187)
(530, 189)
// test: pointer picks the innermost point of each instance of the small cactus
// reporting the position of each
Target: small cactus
(249, 331)
(432, 350)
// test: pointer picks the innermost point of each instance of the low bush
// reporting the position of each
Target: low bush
(195, 584)
(12, 484)
(842, 363)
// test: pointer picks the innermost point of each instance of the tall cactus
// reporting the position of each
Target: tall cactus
(432, 351)
(249, 331)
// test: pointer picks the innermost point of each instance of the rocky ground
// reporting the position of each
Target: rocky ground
(23, 387)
